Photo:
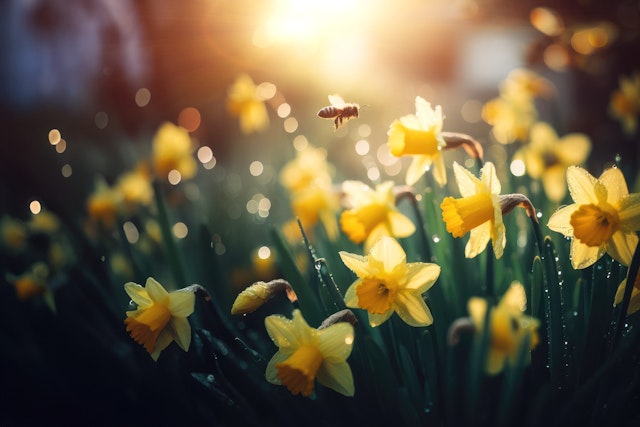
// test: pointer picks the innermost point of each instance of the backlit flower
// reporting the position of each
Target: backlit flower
(625, 102)
(135, 188)
(14, 233)
(419, 136)
(387, 283)
(173, 150)
(103, 205)
(372, 214)
(245, 102)
(31, 283)
(161, 316)
(478, 211)
(546, 156)
(310, 167)
(508, 327)
(604, 217)
(306, 354)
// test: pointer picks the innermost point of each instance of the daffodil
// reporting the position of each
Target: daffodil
(513, 113)
(14, 233)
(103, 205)
(173, 150)
(44, 222)
(254, 296)
(625, 102)
(308, 168)
(32, 283)
(604, 217)
(247, 103)
(306, 354)
(508, 327)
(478, 211)
(372, 214)
(135, 188)
(634, 302)
(419, 136)
(387, 283)
(546, 156)
(316, 204)
(161, 316)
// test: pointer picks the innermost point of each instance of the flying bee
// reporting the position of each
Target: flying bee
(340, 110)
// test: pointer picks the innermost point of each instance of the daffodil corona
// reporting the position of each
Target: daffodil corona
(604, 217)
(387, 283)
(306, 354)
(161, 316)
(478, 211)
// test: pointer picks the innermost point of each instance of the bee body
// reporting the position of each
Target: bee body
(339, 110)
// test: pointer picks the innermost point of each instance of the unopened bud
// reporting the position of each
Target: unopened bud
(253, 297)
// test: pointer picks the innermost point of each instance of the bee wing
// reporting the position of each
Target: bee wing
(337, 101)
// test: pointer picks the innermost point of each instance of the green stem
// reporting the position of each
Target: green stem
(175, 260)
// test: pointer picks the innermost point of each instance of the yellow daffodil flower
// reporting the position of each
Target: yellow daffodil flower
(33, 283)
(44, 222)
(507, 325)
(103, 205)
(387, 283)
(173, 150)
(604, 217)
(634, 302)
(317, 203)
(546, 156)
(478, 211)
(305, 353)
(245, 102)
(14, 233)
(625, 102)
(419, 136)
(161, 316)
(135, 188)
(513, 113)
(372, 214)
(310, 167)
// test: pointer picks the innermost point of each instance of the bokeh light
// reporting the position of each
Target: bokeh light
(190, 119)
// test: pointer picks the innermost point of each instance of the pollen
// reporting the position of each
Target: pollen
(298, 372)
(463, 215)
(376, 296)
(594, 225)
(146, 327)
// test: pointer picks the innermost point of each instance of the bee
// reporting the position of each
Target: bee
(340, 110)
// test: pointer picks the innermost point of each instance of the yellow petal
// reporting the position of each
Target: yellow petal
(155, 290)
(138, 294)
(621, 247)
(489, 178)
(495, 362)
(581, 185)
(560, 221)
(421, 276)
(181, 303)
(271, 373)
(582, 256)
(400, 224)
(616, 186)
(553, 181)
(389, 252)
(439, 170)
(336, 342)
(629, 215)
(478, 239)
(378, 319)
(350, 297)
(182, 332)
(281, 331)
(467, 183)
(413, 310)
(573, 149)
(337, 376)
(356, 263)
(417, 168)
(477, 308)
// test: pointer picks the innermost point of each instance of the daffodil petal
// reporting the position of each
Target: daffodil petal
(467, 183)
(629, 215)
(400, 224)
(477, 308)
(573, 149)
(356, 263)
(500, 241)
(155, 290)
(413, 310)
(478, 239)
(581, 185)
(337, 376)
(634, 302)
(182, 330)
(560, 221)
(495, 361)
(336, 342)
(181, 303)
(417, 168)
(271, 373)
(621, 246)
(379, 319)
(164, 339)
(421, 276)
(489, 178)
(582, 256)
(350, 297)
(389, 252)
(138, 294)
(281, 331)
(439, 170)
(616, 186)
